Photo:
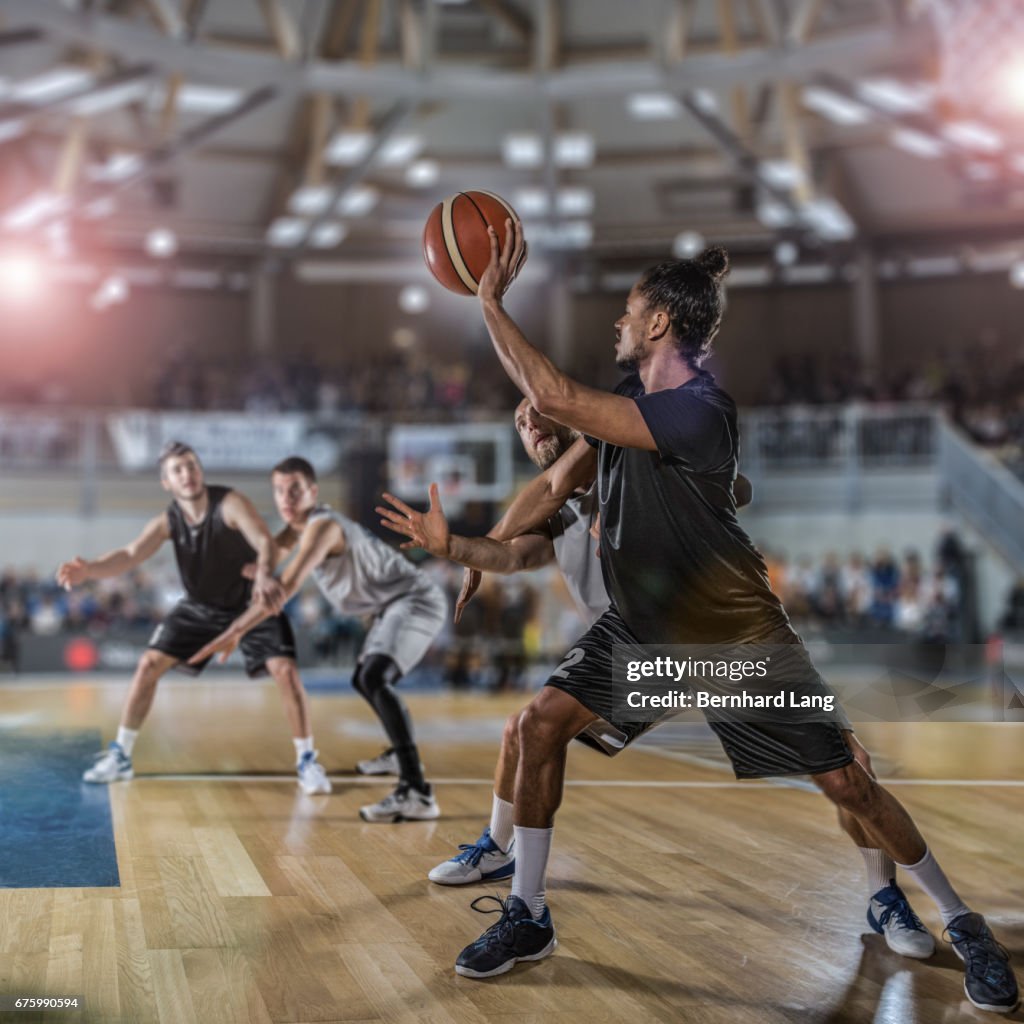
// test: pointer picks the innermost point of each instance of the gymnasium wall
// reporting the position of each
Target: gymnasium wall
(112, 358)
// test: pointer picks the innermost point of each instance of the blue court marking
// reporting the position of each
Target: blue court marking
(55, 830)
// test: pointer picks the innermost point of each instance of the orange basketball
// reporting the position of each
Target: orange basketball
(455, 242)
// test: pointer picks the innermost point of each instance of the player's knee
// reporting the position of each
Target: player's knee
(374, 673)
(151, 666)
(510, 735)
(862, 757)
(849, 787)
(539, 730)
(285, 673)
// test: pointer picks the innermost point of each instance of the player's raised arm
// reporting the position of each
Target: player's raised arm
(609, 417)
(121, 560)
(546, 493)
(429, 530)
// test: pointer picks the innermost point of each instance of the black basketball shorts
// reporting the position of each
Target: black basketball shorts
(757, 749)
(191, 626)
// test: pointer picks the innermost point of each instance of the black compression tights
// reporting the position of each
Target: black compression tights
(375, 680)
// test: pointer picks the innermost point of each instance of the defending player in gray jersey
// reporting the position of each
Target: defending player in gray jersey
(360, 575)
(571, 542)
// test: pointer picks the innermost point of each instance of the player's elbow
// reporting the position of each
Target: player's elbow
(553, 399)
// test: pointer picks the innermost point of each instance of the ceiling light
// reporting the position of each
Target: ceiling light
(51, 85)
(400, 150)
(205, 99)
(33, 210)
(895, 96)
(422, 173)
(161, 243)
(286, 231)
(972, 135)
(653, 106)
(358, 201)
(687, 244)
(828, 219)
(309, 200)
(522, 150)
(918, 143)
(574, 149)
(348, 147)
(780, 173)
(414, 298)
(786, 253)
(327, 235)
(834, 106)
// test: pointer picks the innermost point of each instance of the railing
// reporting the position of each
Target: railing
(839, 437)
(985, 491)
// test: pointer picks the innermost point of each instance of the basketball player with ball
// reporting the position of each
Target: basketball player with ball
(678, 568)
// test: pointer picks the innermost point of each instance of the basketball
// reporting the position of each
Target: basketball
(455, 241)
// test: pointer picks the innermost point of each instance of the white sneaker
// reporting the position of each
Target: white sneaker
(482, 861)
(112, 765)
(404, 804)
(383, 764)
(312, 777)
(891, 915)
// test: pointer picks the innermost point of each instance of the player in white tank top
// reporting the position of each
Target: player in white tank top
(360, 575)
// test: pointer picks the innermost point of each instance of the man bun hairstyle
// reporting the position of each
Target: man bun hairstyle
(296, 464)
(691, 293)
(715, 261)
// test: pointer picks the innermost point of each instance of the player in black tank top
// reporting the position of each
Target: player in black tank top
(676, 557)
(216, 533)
(211, 555)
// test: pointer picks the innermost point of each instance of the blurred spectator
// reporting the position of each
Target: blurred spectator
(1013, 618)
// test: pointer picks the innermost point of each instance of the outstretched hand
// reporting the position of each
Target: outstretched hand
(506, 262)
(73, 573)
(428, 530)
(223, 644)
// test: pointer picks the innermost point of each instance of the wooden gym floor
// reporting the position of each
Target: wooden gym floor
(678, 894)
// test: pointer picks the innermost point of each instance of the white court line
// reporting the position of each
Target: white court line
(582, 783)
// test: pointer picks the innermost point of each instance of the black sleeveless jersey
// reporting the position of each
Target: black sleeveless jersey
(211, 555)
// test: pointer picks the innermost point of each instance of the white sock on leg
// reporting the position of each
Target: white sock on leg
(126, 739)
(303, 746)
(532, 848)
(880, 866)
(933, 880)
(501, 823)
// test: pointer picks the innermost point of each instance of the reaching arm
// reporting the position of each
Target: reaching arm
(612, 418)
(240, 514)
(319, 539)
(543, 496)
(429, 530)
(114, 563)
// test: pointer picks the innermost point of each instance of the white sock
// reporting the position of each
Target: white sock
(532, 848)
(303, 746)
(933, 880)
(880, 866)
(501, 823)
(126, 739)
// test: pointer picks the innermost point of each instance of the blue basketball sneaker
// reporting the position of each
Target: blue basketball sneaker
(112, 765)
(482, 861)
(515, 937)
(989, 981)
(891, 915)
